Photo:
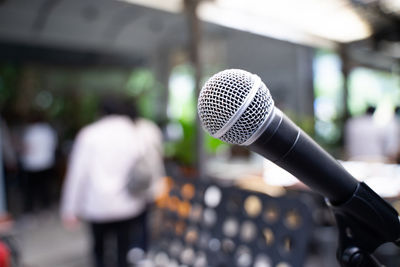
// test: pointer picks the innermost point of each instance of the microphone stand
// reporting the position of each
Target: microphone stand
(365, 222)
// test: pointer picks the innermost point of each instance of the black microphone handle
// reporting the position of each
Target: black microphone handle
(285, 144)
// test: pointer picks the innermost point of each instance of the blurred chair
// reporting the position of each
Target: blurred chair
(204, 224)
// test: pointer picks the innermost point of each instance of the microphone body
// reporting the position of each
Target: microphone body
(286, 145)
(236, 107)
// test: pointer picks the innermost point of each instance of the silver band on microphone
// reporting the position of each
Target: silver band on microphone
(249, 98)
(274, 112)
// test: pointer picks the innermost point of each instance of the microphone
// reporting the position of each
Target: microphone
(235, 106)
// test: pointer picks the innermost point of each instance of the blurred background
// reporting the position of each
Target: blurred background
(325, 62)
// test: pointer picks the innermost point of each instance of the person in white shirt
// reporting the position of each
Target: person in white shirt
(95, 187)
(39, 143)
(392, 132)
(365, 139)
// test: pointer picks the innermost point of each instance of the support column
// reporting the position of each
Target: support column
(161, 67)
(305, 90)
(346, 68)
(194, 55)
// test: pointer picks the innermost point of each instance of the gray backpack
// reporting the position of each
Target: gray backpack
(139, 175)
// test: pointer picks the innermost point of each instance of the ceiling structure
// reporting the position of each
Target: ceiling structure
(139, 27)
(383, 17)
(315, 23)
(310, 22)
(103, 26)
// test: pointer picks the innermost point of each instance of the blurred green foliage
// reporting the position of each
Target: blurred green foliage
(182, 110)
(213, 144)
(182, 150)
(143, 85)
(9, 74)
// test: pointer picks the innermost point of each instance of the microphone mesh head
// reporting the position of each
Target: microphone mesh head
(222, 97)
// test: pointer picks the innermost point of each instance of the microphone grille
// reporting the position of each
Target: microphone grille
(222, 105)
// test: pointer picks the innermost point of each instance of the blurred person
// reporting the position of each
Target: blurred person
(9, 159)
(96, 188)
(392, 132)
(364, 138)
(37, 158)
(8, 150)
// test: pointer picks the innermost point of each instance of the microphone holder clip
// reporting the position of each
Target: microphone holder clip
(365, 222)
